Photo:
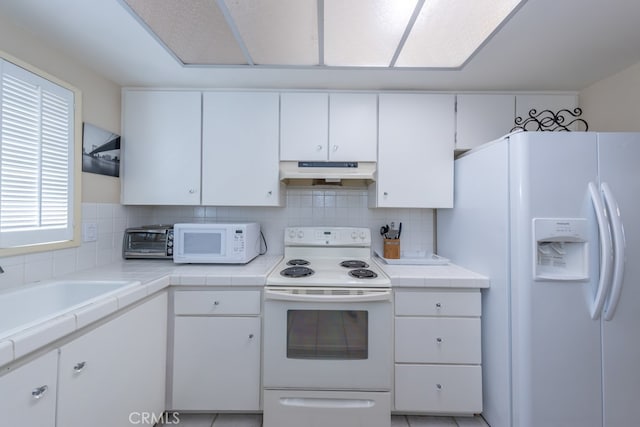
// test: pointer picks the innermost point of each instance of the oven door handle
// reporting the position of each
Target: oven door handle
(367, 296)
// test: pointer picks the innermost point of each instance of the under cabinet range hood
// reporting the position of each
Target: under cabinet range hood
(327, 173)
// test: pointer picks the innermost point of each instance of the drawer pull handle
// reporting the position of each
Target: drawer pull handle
(439, 340)
(438, 387)
(38, 392)
(216, 303)
(79, 367)
(438, 305)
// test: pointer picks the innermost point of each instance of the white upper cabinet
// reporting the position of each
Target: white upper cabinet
(353, 130)
(161, 147)
(240, 149)
(304, 130)
(482, 118)
(415, 153)
(328, 127)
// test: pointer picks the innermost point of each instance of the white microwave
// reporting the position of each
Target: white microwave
(218, 243)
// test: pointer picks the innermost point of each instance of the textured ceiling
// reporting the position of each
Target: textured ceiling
(545, 45)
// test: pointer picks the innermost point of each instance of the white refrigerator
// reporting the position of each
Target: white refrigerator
(553, 219)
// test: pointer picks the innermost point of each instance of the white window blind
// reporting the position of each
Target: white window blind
(36, 159)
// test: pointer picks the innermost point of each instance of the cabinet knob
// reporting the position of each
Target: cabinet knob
(438, 387)
(334, 148)
(216, 303)
(319, 147)
(192, 191)
(250, 336)
(39, 392)
(270, 193)
(78, 367)
(439, 340)
(385, 194)
(438, 305)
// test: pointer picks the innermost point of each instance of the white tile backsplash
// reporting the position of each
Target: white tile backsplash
(313, 207)
(304, 207)
(112, 220)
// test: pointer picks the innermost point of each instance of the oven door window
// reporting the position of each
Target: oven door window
(328, 334)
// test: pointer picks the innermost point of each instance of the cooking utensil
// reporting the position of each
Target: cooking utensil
(384, 230)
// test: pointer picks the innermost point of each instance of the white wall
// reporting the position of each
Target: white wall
(100, 97)
(613, 103)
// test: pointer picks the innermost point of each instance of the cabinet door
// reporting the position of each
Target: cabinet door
(482, 118)
(304, 126)
(161, 147)
(415, 153)
(28, 393)
(115, 371)
(541, 102)
(240, 149)
(353, 121)
(216, 364)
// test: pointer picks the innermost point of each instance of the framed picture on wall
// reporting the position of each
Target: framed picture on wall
(100, 151)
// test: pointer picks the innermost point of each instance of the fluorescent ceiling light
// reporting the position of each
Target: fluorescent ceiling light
(447, 32)
(195, 31)
(333, 33)
(278, 32)
(364, 32)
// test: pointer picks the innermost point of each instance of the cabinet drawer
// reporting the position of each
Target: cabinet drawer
(438, 389)
(437, 303)
(217, 302)
(437, 340)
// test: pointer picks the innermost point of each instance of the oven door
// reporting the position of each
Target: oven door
(328, 339)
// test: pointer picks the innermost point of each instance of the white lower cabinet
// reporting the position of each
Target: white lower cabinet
(438, 352)
(115, 374)
(28, 393)
(216, 351)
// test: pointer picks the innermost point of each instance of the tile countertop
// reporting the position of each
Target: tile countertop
(155, 275)
(151, 276)
(432, 276)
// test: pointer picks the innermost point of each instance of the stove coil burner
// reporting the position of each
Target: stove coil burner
(297, 271)
(297, 262)
(354, 263)
(363, 273)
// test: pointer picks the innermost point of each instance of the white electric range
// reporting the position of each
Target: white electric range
(327, 332)
(328, 257)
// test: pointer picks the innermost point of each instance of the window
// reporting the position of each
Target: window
(37, 159)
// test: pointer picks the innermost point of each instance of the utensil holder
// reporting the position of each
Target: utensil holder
(391, 249)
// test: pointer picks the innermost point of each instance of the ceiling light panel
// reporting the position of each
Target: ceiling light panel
(447, 32)
(278, 32)
(194, 30)
(364, 32)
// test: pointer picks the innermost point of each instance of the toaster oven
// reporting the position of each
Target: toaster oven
(148, 242)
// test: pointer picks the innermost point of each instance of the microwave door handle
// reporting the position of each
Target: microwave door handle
(275, 295)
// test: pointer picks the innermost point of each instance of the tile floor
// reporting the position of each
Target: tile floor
(253, 420)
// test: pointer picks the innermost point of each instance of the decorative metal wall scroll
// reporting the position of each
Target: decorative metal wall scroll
(547, 120)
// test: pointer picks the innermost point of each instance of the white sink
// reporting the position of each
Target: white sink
(26, 306)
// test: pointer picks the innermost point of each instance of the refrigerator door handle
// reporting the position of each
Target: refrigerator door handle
(618, 251)
(606, 252)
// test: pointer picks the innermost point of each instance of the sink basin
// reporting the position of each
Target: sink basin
(26, 306)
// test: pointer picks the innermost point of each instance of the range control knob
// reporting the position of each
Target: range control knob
(354, 235)
(300, 234)
(292, 233)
